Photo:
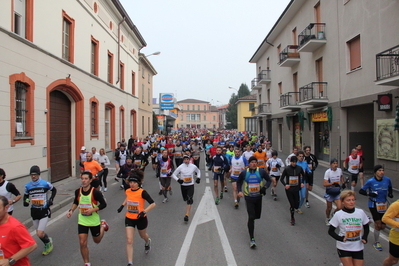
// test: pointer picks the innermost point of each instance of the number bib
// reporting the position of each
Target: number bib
(236, 172)
(381, 207)
(294, 180)
(261, 162)
(354, 167)
(310, 166)
(83, 207)
(38, 200)
(196, 157)
(133, 206)
(187, 178)
(177, 154)
(274, 169)
(137, 162)
(164, 171)
(216, 169)
(353, 232)
(254, 189)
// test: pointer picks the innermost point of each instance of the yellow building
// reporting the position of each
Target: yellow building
(245, 119)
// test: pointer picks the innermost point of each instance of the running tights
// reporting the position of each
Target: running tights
(103, 177)
(293, 199)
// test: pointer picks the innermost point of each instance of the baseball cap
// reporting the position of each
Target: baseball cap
(83, 148)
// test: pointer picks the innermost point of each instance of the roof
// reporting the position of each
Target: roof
(191, 101)
(250, 97)
(214, 109)
(223, 106)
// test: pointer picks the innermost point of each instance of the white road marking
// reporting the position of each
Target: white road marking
(206, 212)
(382, 235)
(52, 220)
(207, 178)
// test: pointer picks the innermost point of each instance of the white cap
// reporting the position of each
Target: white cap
(83, 148)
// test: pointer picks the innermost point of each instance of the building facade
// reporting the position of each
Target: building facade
(197, 114)
(316, 80)
(245, 119)
(68, 80)
(147, 72)
(222, 116)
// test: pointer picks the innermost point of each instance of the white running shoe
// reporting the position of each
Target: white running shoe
(165, 200)
(105, 189)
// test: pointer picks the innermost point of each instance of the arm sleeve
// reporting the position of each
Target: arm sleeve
(390, 214)
(75, 200)
(98, 196)
(331, 232)
(283, 176)
(11, 187)
(107, 162)
(147, 197)
(198, 171)
(267, 178)
(175, 173)
(316, 162)
(366, 231)
(53, 193)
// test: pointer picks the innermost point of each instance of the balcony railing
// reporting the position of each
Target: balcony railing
(312, 37)
(388, 67)
(289, 100)
(289, 56)
(314, 93)
(264, 76)
(255, 85)
(264, 109)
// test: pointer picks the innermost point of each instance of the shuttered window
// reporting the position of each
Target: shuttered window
(354, 53)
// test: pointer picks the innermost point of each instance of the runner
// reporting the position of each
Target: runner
(95, 168)
(254, 188)
(391, 218)
(353, 163)
(248, 152)
(136, 214)
(312, 161)
(219, 163)
(238, 164)
(165, 169)
(7, 189)
(104, 162)
(186, 172)
(377, 189)
(274, 165)
(36, 193)
(89, 201)
(353, 230)
(178, 153)
(261, 156)
(302, 163)
(227, 168)
(154, 151)
(292, 180)
(294, 153)
(332, 182)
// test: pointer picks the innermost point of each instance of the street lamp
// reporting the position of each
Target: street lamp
(155, 53)
(231, 88)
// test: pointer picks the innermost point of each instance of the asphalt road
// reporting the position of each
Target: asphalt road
(215, 235)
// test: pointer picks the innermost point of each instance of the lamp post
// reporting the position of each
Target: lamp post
(231, 88)
(155, 53)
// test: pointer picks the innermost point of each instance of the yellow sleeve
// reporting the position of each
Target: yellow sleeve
(390, 214)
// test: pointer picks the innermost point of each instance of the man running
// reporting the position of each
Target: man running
(219, 164)
(377, 189)
(312, 164)
(332, 182)
(353, 163)
(261, 157)
(254, 187)
(238, 164)
(36, 194)
(94, 168)
(274, 165)
(186, 172)
(7, 189)
(89, 201)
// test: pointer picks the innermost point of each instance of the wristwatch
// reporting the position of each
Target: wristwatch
(11, 261)
(13, 201)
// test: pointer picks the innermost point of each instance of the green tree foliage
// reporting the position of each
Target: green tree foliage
(154, 122)
(231, 114)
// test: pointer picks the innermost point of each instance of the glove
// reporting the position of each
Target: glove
(343, 186)
(390, 195)
(373, 194)
(50, 202)
(198, 180)
(336, 185)
(120, 208)
(141, 215)
(345, 169)
(263, 191)
(26, 203)
(180, 181)
(278, 166)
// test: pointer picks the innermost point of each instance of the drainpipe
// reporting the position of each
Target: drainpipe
(119, 49)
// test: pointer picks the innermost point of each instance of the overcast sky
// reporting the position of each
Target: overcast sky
(205, 45)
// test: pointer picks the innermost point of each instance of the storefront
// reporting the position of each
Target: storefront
(297, 132)
(322, 135)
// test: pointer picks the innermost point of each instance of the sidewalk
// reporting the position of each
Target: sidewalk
(65, 194)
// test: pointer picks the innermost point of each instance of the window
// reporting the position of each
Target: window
(204, 107)
(295, 82)
(68, 35)
(198, 116)
(94, 56)
(142, 93)
(142, 125)
(280, 88)
(21, 109)
(133, 83)
(278, 50)
(192, 117)
(251, 106)
(149, 96)
(214, 118)
(122, 122)
(142, 71)
(193, 107)
(204, 117)
(110, 68)
(294, 38)
(354, 53)
(23, 19)
(148, 124)
(181, 117)
(122, 75)
(188, 117)
(199, 108)
(93, 118)
(149, 78)
(188, 107)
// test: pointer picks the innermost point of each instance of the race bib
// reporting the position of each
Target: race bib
(133, 206)
(254, 189)
(38, 200)
(216, 169)
(274, 169)
(164, 171)
(154, 153)
(177, 154)
(381, 207)
(353, 232)
(310, 166)
(294, 180)
(354, 167)
(187, 178)
(137, 162)
(196, 157)
(261, 162)
(83, 207)
(236, 172)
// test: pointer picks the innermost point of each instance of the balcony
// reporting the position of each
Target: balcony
(290, 101)
(264, 109)
(312, 37)
(314, 94)
(388, 67)
(264, 77)
(289, 56)
(255, 85)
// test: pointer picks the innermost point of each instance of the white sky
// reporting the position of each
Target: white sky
(205, 45)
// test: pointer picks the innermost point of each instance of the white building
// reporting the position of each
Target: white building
(67, 80)
(316, 79)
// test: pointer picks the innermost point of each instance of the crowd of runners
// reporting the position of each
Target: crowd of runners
(246, 161)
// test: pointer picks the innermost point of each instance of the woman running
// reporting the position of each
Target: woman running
(103, 160)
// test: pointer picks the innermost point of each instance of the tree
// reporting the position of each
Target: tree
(231, 114)
(154, 123)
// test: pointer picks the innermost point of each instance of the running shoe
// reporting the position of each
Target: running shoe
(160, 192)
(217, 201)
(165, 200)
(292, 221)
(122, 187)
(105, 225)
(105, 189)
(274, 197)
(225, 189)
(48, 247)
(221, 194)
(186, 218)
(101, 189)
(299, 211)
(236, 205)
(170, 192)
(252, 244)
(377, 246)
(116, 179)
(147, 246)
(327, 222)
(307, 204)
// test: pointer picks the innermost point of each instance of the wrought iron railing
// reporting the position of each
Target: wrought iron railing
(388, 63)
(264, 74)
(314, 90)
(291, 51)
(289, 99)
(314, 31)
(254, 82)
(264, 108)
